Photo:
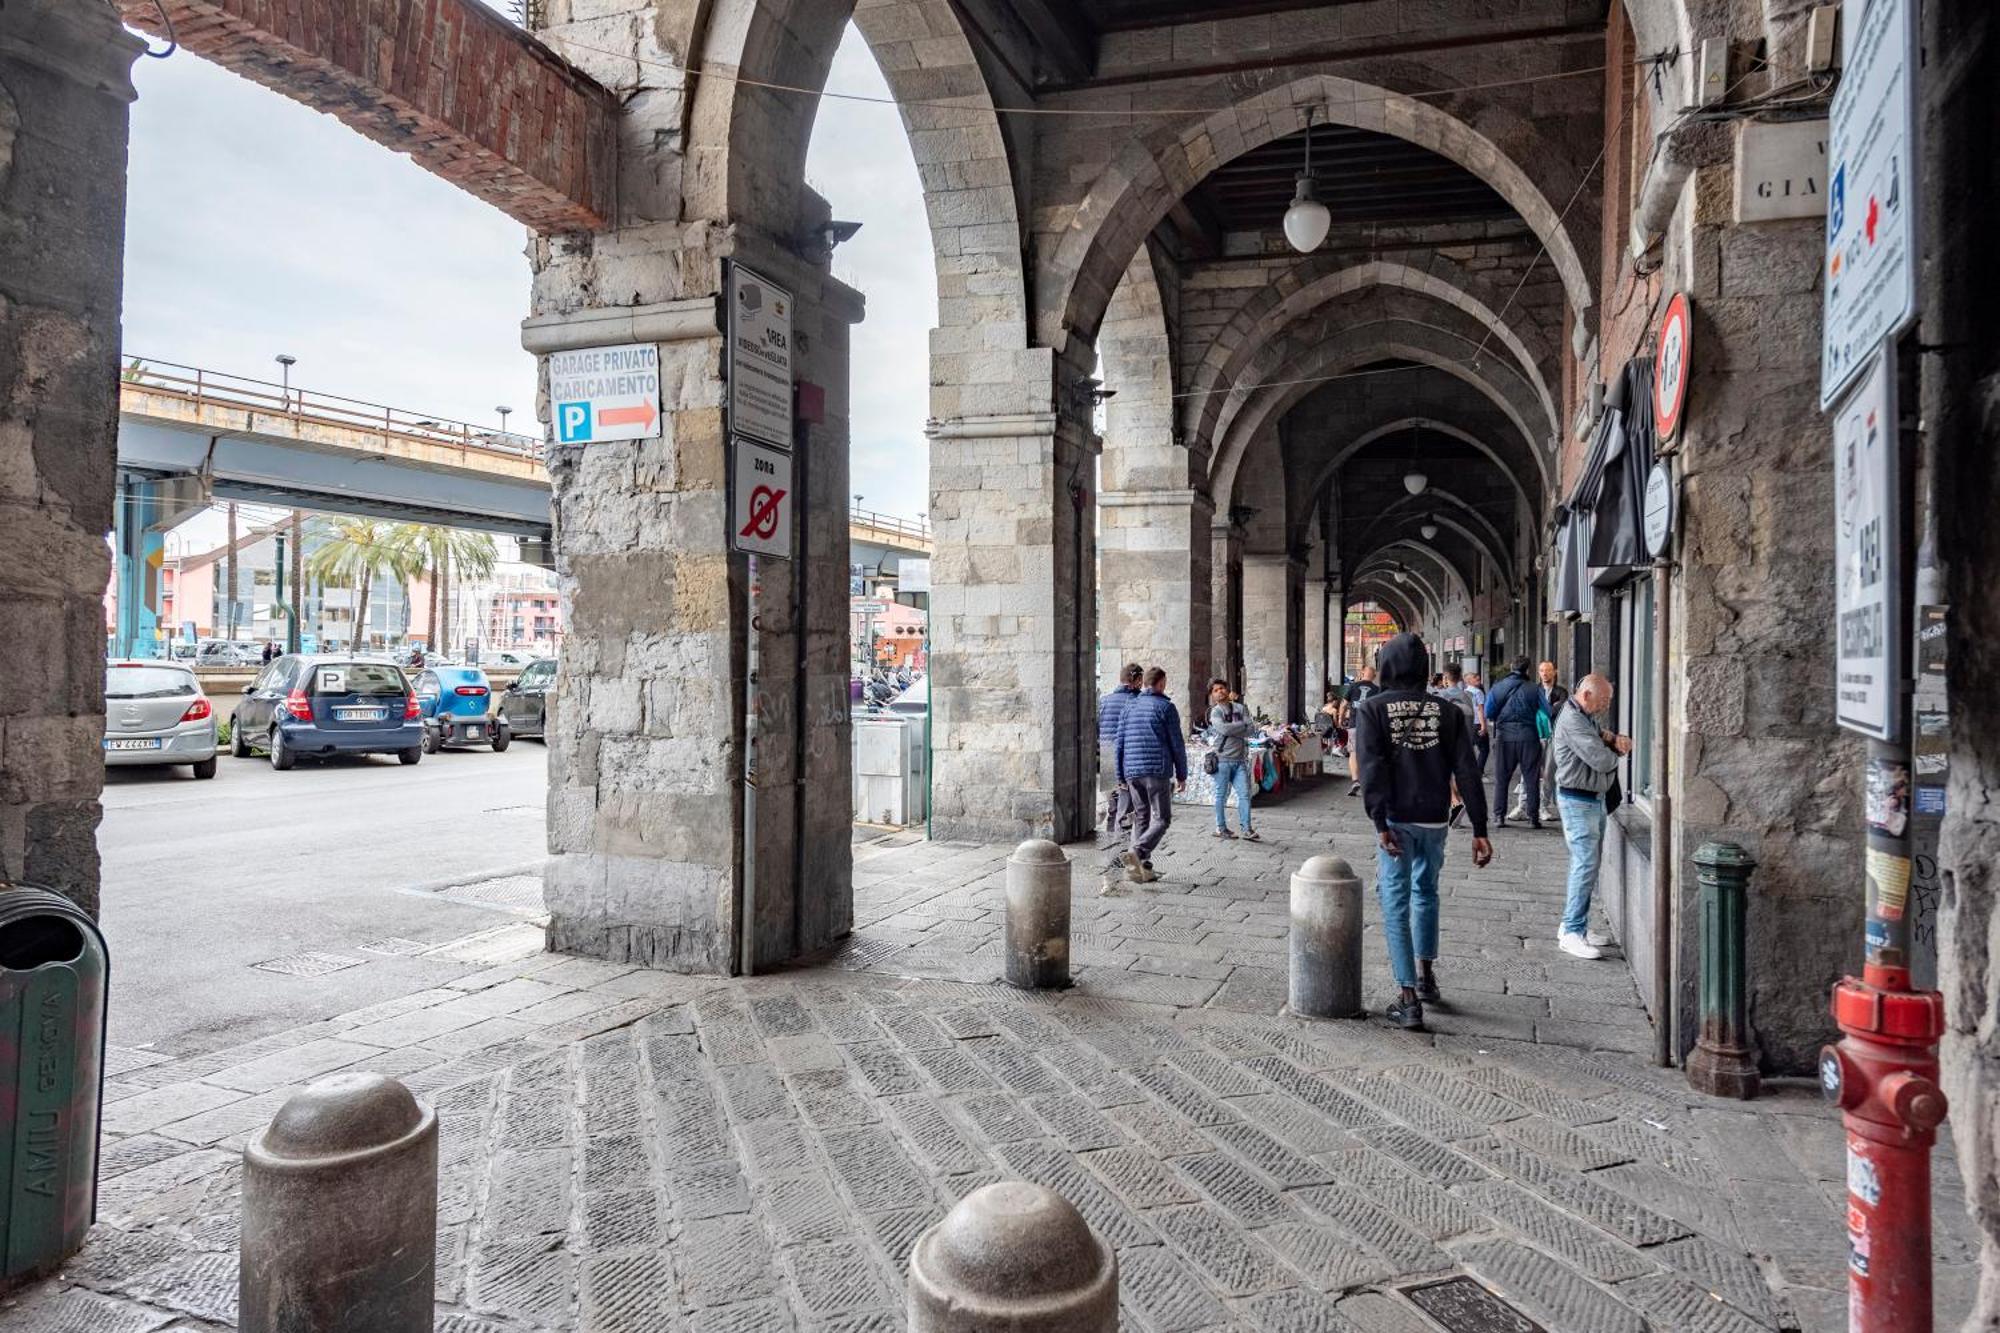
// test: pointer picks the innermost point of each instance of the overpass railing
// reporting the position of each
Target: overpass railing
(212, 388)
(902, 527)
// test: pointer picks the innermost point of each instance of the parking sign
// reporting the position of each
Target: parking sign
(605, 393)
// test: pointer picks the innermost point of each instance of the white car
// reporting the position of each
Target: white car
(156, 713)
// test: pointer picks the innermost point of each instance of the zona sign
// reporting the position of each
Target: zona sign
(1670, 367)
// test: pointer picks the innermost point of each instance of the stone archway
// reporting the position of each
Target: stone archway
(1267, 318)
(1143, 181)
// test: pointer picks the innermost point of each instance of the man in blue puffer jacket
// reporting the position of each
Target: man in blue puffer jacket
(1152, 763)
(1110, 712)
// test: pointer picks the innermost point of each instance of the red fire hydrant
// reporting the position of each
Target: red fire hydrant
(1883, 1075)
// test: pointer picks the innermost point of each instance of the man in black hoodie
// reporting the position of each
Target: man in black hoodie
(1409, 746)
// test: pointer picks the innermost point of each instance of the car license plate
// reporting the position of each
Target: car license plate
(153, 744)
(358, 714)
(473, 732)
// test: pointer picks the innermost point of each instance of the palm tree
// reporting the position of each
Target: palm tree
(356, 551)
(437, 551)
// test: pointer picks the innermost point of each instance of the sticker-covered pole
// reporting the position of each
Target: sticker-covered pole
(1883, 1074)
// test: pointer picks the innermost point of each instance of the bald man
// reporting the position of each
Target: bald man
(1587, 758)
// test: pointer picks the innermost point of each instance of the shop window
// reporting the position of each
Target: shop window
(1635, 684)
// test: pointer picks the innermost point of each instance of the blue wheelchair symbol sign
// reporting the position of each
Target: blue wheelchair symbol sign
(1836, 206)
(572, 422)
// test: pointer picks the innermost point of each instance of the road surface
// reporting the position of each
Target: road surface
(204, 880)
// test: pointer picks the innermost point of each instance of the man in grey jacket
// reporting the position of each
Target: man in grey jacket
(1229, 731)
(1586, 765)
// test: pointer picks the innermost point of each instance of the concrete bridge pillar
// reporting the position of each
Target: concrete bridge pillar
(65, 88)
(147, 508)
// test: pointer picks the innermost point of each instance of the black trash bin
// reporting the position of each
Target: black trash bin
(52, 973)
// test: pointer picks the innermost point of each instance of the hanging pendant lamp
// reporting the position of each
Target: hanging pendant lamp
(1307, 220)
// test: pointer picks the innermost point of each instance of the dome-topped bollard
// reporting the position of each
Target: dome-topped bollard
(1013, 1258)
(1326, 940)
(1038, 896)
(340, 1212)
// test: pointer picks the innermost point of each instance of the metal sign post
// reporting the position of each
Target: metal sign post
(757, 333)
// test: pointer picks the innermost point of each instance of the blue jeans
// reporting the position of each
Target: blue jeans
(1408, 888)
(1232, 773)
(1583, 830)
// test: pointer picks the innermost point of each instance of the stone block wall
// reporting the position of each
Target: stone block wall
(65, 89)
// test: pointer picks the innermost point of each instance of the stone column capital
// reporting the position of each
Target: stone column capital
(690, 319)
(1189, 499)
(82, 40)
(997, 426)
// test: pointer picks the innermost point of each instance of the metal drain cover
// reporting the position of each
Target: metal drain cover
(308, 964)
(1461, 1305)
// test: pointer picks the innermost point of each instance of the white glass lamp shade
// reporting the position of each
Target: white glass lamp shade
(1415, 482)
(1429, 530)
(1307, 220)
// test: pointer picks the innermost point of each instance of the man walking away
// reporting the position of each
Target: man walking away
(1586, 766)
(1482, 729)
(1511, 711)
(1110, 709)
(1454, 691)
(1411, 746)
(1229, 728)
(1152, 763)
(1360, 692)
(1557, 697)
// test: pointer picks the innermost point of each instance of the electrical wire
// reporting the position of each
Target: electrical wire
(689, 75)
(166, 21)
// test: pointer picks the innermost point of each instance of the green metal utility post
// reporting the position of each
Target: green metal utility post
(1723, 1064)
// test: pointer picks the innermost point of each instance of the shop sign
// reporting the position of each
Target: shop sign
(1670, 368)
(1780, 170)
(1866, 542)
(759, 335)
(1871, 225)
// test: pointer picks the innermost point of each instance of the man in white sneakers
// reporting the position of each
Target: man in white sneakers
(1586, 766)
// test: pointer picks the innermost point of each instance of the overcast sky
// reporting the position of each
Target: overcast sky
(256, 226)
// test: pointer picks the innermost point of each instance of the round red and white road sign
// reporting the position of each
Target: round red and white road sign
(1670, 367)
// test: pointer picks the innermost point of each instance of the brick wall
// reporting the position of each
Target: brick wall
(458, 88)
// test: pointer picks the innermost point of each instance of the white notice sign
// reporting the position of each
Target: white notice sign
(1871, 232)
(760, 358)
(760, 498)
(1865, 542)
(605, 393)
(1780, 170)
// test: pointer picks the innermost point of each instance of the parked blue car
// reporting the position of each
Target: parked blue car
(317, 705)
(456, 704)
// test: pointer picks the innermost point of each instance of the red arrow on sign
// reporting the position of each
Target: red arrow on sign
(642, 415)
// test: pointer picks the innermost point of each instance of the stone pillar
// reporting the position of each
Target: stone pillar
(1272, 585)
(65, 88)
(1226, 540)
(1013, 612)
(1154, 560)
(1317, 671)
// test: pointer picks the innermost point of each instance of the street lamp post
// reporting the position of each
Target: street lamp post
(504, 412)
(285, 363)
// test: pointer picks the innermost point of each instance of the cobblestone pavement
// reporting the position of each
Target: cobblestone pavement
(624, 1150)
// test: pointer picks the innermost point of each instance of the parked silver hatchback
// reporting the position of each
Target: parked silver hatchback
(156, 713)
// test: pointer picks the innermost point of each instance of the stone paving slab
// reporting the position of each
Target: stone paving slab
(624, 1150)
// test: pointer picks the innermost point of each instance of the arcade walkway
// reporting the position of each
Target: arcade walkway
(632, 1151)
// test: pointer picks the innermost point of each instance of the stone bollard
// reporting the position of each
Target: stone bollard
(340, 1212)
(1326, 940)
(1013, 1258)
(1038, 891)
(1722, 1064)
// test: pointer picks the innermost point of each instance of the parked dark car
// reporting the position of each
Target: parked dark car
(524, 706)
(324, 705)
(456, 703)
